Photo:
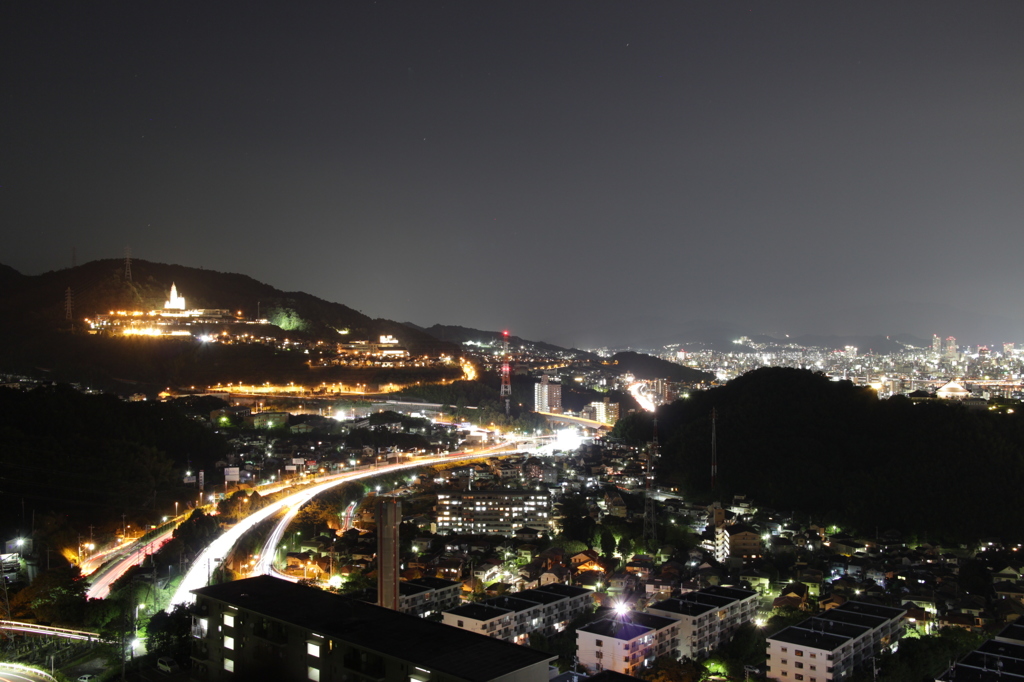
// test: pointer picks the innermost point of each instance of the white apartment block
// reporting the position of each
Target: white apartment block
(831, 646)
(498, 512)
(626, 643)
(426, 596)
(707, 618)
(512, 618)
(547, 397)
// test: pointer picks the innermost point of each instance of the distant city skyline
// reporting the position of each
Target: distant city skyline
(611, 174)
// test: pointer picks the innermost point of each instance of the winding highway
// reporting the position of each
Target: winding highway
(210, 558)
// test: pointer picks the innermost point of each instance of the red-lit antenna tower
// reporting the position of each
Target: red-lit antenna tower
(506, 375)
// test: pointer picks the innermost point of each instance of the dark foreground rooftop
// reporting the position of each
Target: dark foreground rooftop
(428, 644)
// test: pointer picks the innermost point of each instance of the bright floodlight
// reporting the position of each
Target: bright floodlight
(621, 608)
(568, 439)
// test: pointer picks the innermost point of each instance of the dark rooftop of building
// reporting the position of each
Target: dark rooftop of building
(408, 589)
(520, 602)
(814, 639)
(730, 592)
(648, 620)
(428, 644)
(995, 661)
(1013, 632)
(539, 596)
(478, 611)
(562, 590)
(616, 629)
(686, 608)
(433, 583)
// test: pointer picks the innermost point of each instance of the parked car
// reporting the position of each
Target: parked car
(167, 665)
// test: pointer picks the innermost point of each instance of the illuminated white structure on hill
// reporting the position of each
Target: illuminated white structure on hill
(175, 302)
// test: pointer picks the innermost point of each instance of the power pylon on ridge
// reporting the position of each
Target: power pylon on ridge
(650, 511)
(127, 263)
(69, 304)
(506, 375)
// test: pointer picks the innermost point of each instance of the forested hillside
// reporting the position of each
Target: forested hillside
(795, 440)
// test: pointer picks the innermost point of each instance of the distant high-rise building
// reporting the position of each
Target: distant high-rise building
(936, 344)
(389, 516)
(547, 396)
(605, 411)
(951, 353)
(1007, 349)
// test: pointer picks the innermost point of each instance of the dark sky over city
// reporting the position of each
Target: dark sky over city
(585, 173)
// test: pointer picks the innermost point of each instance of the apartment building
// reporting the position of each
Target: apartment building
(498, 512)
(426, 596)
(545, 610)
(265, 628)
(626, 643)
(707, 618)
(832, 645)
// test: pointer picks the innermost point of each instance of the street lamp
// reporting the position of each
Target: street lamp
(140, 606)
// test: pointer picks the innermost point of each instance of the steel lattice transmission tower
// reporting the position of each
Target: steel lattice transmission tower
(69, 304)
(650, 510)
(127, 263)
(506, 375)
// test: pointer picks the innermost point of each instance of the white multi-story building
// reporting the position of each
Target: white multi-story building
(707, 618)
(546, 610)
(626, 643)
(605, 411)
(547, 396)
(427, 596)
(499, 512)
(832, 645)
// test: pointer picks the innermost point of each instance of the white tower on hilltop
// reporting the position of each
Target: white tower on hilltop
(175, 302)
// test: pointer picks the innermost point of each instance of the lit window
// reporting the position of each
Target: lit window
(229, 665)
(313, 649)
(313, 674)
(229, 642)
(229, 620)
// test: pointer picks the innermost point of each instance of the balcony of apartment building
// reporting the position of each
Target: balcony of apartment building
(200, 650)
(368, 665)
(270, 632)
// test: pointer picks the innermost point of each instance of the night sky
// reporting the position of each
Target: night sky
(585, 173)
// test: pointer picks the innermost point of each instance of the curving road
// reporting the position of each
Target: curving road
(199, 574)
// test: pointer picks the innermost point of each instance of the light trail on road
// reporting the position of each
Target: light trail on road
(638, 393)
(100, 582)
(198, 575)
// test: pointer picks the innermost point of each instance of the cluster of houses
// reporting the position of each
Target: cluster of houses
(484, 562)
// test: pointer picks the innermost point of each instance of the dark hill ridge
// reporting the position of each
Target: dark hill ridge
(794, 440)
(42, 342)
(456, 334)
(649, 367)
(100, 286)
